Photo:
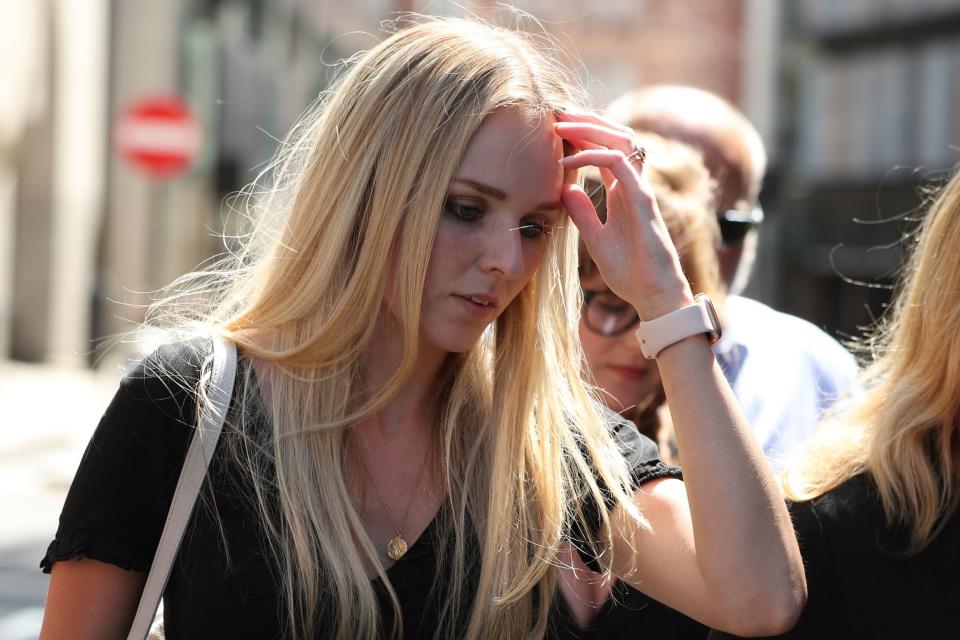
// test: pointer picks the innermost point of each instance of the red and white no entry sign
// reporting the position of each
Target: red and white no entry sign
(159, 135)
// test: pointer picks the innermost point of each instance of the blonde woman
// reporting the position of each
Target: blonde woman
(876, 492)
(630, 384)
(410, 440)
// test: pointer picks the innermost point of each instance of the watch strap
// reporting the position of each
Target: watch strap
(657, 334)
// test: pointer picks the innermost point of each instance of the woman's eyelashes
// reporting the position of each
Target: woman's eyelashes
(464, 211)
(531, 227)
(534, 228)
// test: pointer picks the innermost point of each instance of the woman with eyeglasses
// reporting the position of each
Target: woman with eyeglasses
(630, 384)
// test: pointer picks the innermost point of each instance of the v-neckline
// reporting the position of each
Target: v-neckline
(417, 549)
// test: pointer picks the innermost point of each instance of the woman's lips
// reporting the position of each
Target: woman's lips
(629, 373)
(477, 309)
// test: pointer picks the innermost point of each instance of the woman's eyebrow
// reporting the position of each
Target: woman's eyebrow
(485, 189)
(497, 194)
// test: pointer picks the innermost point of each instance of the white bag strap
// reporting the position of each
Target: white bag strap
(202, 446)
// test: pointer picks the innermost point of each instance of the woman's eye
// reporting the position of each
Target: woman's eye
(534, 229)
(465, 212)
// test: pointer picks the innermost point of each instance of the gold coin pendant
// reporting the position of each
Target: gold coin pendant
(397, 547)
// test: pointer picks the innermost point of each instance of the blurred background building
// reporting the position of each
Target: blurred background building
(858, 102)
(869, 114)
(86, 236)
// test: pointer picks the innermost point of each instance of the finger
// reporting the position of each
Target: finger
(597, 134)
(580, 115)
(624, 172)
(582, 144)
(606, 177)
(611, 159)
(601, 179)
(581, 210)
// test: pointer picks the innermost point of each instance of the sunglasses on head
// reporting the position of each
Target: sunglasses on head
(736, 223)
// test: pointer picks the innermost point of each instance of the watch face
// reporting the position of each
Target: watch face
(717, 332)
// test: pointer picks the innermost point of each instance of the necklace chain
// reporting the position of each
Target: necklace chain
(397, 546)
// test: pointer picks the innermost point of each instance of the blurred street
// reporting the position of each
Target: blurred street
(129, 129)
(49, 414)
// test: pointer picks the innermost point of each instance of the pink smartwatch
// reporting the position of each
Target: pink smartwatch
(658, 334)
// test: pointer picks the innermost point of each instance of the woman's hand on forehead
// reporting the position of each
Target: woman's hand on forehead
(631, 248)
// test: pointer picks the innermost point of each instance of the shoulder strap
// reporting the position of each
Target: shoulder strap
(202, 446)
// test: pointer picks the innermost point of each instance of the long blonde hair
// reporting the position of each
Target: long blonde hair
(903, 431)
(356, 192)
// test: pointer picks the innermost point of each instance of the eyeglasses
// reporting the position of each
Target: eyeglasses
(606, 314)
(736, 223)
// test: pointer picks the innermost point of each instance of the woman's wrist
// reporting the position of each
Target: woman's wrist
(652, 306)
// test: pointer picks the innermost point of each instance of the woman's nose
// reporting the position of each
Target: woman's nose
(502, 253)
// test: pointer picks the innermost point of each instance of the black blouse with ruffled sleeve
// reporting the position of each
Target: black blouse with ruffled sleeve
(224, 582)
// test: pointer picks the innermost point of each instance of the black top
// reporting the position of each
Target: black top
(118, 501)
(860, 584)
(631, 615)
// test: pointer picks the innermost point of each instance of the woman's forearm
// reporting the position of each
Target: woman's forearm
(745, 546)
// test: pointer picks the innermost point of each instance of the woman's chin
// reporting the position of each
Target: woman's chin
(453, 343)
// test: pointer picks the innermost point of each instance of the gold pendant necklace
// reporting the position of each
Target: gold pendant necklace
(397, 546)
